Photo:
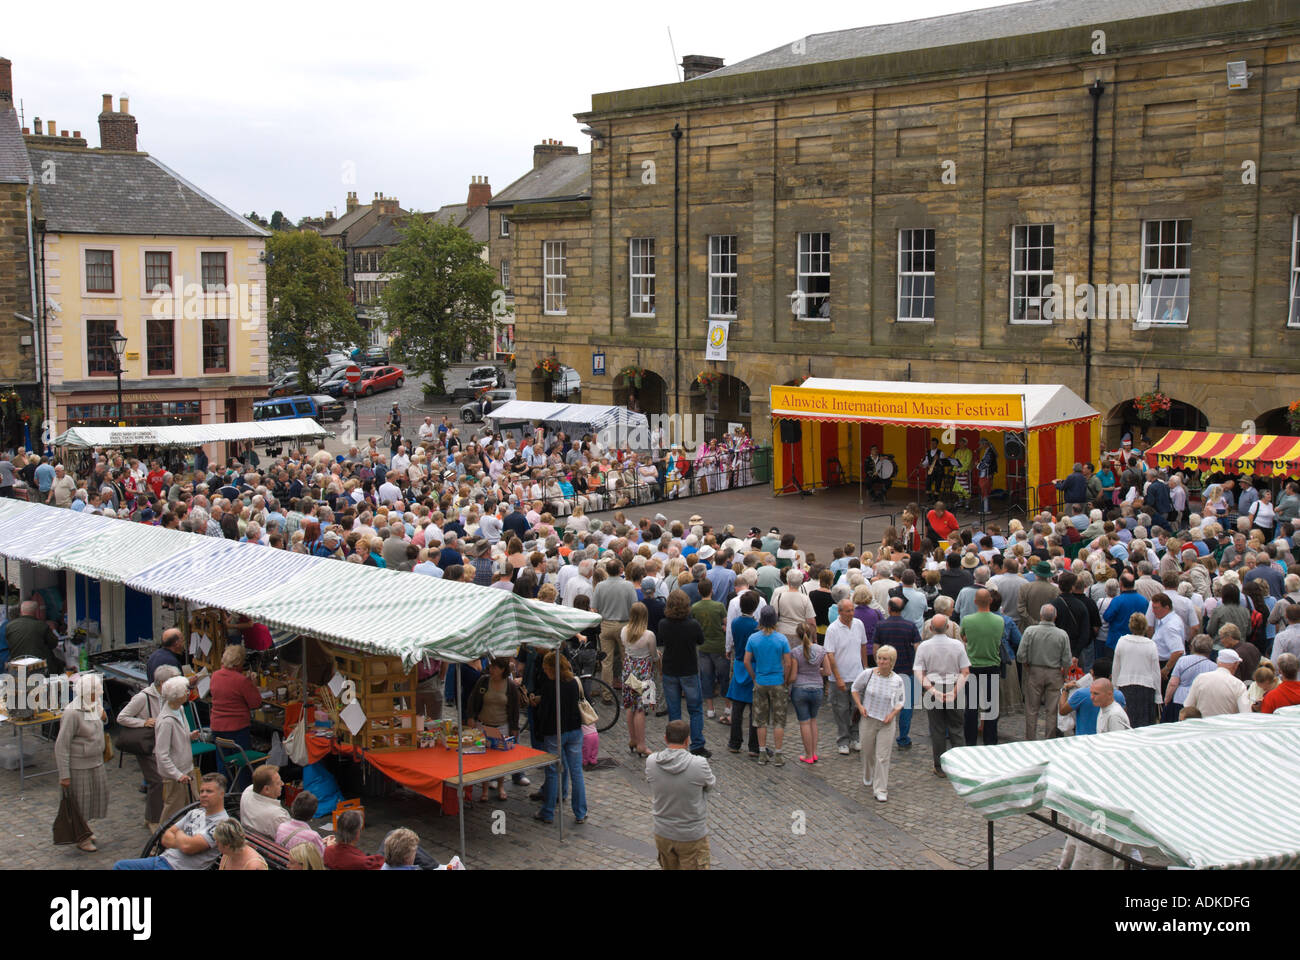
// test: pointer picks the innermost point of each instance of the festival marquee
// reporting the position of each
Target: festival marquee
(1230, 453)
(1047, 426)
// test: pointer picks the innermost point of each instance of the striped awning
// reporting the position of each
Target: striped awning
(1233, 453)
(31, 535)
(378, 611)
(1149, 787)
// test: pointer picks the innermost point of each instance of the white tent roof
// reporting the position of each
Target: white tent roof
(364, 608)
(591, 416)
(513, 411)
(1045, 403)
(192, 434)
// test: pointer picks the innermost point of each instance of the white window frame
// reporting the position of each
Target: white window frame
(719, 260)
(555, 277)
(908, 273)
(1293, 302)
(1147, 314)
(641, 277)
(806, 250)
(505, 226)
(1044, 277)
(505, 276)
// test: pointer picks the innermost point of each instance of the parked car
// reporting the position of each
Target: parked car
(287, 384)
(319, 407)
(468, 386)
(472, 412)
(337, 385)
(374, 379)
(372, 356)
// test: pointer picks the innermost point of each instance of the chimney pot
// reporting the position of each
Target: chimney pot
(76, 134)
(63, 133)
(124, 105)
(36, 125)
(108, 103)
(548, 150)
(27, 131)
(51, 128)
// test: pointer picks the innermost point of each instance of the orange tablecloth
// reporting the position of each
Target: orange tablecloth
(424, 771)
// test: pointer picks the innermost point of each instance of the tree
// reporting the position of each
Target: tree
(308, 310)
(278, 221)
(440, 296)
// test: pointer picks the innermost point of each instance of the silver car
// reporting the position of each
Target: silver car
(472, 412)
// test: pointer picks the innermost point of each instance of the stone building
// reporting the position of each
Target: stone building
(19, 210)
(904, 201)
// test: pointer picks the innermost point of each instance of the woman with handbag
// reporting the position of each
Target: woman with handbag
(567, 741)
(172, 752)
(80, 750)
(494, 707)
(137, 720)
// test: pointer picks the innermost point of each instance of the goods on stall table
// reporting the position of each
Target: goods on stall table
(385, 691)
(501, 743)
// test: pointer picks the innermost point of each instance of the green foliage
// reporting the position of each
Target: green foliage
(308, 310)
(278, 221)
(440, 297)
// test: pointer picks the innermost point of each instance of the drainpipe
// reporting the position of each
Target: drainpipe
(677, 298)
(1097, 89)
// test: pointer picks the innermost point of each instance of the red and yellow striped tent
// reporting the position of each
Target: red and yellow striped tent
(840, 420)
(1231, 453)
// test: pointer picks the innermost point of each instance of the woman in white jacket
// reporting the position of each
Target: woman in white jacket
(172, 752)
(142, 713)
(1136, 672)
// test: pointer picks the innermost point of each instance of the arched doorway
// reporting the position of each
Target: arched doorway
(643, 391)
(1273, 423)
(1123, 419)
(723, 400)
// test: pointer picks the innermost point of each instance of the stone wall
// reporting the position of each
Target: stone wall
(17, 362)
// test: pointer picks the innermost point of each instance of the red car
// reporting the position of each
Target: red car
(374, 379)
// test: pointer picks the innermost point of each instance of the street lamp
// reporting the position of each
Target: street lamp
(118, 343)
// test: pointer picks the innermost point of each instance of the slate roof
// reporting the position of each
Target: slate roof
(346, 221)
(382, 234)
(476, 224)
(561, 178)
(14, 165)
(130, 193)
(990, 23)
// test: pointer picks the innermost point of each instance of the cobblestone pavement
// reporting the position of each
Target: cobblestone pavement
(761, 817)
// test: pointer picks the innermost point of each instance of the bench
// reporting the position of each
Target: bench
(276, 856)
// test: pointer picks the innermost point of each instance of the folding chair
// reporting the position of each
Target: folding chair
(235, 757)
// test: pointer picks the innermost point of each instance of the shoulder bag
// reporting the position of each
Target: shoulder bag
(585, 710)
(136, 740)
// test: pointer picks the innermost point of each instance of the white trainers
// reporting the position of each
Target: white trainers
(857, 747)
(711, 714)
(866, 781)
(882, 796)
(844, 749)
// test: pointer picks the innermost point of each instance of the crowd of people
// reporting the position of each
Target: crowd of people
(1115, 611)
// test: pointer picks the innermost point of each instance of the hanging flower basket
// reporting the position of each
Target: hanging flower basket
(633, 376)
(1293, 416)
(707, 378)
(548, 367)
(1149, 404)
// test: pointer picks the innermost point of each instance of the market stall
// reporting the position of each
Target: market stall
(364, 616)
(823, 429)
(1230, 454)
(619, 426)
(1147, 787)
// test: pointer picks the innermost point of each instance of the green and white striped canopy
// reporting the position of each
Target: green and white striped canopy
(377, 611)
(1217, 793)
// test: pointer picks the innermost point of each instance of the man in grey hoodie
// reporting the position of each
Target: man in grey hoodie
(679, 781)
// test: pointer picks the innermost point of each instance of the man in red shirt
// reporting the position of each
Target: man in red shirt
(1287, 692)
(344, 854)
(941, 521)
(155, 478)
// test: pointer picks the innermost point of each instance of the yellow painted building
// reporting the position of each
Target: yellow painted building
(132, 248)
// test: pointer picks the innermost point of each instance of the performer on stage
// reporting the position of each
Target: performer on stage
(934, 467)
(986, 469)
(961, 482)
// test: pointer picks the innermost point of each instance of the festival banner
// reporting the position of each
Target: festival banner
(717, 345)
(892, 407)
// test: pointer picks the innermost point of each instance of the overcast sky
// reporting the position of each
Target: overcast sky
(274, 104)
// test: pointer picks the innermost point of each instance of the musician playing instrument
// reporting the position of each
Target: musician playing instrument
(878, 471)
(933, 465)
(961, 482)
(986, 468)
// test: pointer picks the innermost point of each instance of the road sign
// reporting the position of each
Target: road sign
(353, 373)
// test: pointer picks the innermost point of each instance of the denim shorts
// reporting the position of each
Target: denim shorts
(806, 701)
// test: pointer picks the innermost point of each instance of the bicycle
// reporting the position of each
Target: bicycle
(586, 660)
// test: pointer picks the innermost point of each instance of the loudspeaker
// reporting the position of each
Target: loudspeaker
(791, 431)
(1013, 446)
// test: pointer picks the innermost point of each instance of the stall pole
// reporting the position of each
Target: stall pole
(460, 763)
(559, 768)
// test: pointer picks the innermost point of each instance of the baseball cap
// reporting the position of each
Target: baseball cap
(1229, 656)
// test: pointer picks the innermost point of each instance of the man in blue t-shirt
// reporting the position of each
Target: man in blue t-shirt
(1076, 696)
(1129, 602)
(768, 660)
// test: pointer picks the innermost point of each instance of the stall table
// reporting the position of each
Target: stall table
(39, 720)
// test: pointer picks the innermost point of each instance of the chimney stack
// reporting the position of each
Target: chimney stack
(117, 131)
(6, 82)
(351, 203)
(694, 65)
(480, 192)
(548, 150)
